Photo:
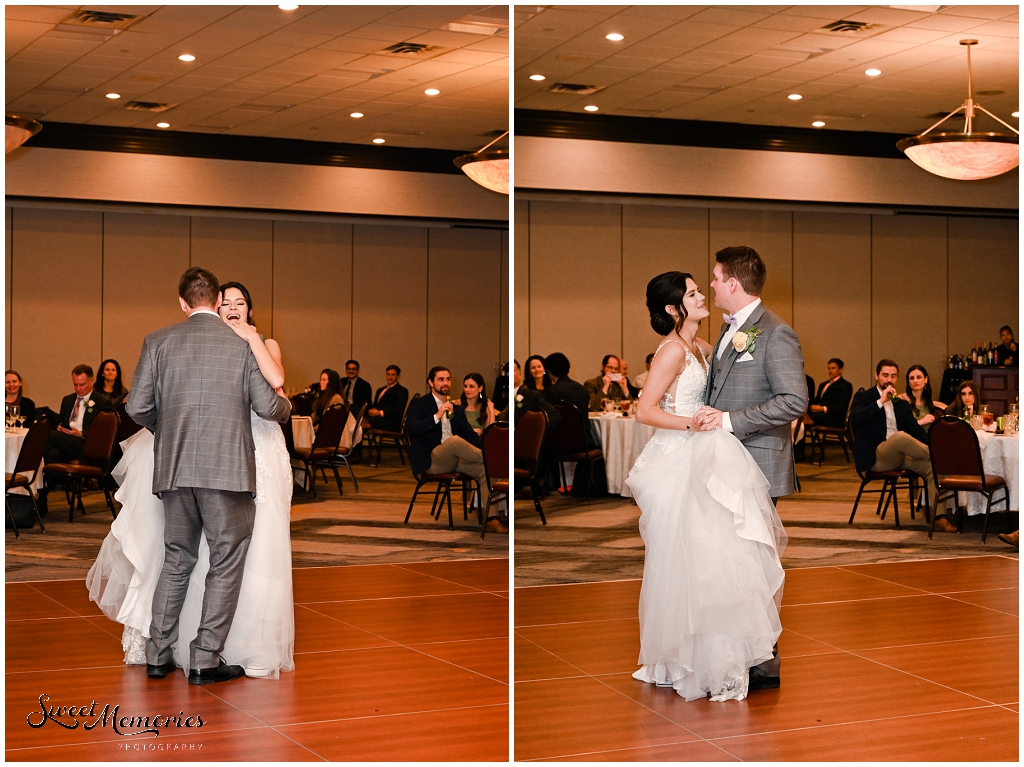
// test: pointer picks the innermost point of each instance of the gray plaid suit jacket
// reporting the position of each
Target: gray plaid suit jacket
(763, 396)
(193, 387)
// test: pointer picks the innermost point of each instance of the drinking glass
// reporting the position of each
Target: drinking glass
(608, 405)
(986, 415)
(15, 414)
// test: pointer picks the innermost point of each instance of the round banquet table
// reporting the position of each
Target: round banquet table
(1000, 455)
(13, 440)
(302, 431)
(622, 439)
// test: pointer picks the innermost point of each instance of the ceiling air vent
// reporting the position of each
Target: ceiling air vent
(148, 106)
(102, 19)
(849, 27)
(412, 49)
(574, 88)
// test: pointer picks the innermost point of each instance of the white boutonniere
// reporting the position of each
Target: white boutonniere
(744, 342)
(89, 405)
(519, 400)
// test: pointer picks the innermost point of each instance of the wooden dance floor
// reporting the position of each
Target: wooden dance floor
(396, 663)
(910, 661)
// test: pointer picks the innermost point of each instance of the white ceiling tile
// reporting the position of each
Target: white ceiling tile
(788, 23)
(44, 14)
(980, 11)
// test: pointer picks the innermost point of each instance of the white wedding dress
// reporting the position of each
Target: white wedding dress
(123, 578)
(712, 587)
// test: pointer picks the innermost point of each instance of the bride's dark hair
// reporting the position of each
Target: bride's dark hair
(245, 294)
(664, 290)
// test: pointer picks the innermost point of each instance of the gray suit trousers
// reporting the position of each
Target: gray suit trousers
(227, 518)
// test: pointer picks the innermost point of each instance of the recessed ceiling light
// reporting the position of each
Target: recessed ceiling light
(163, 125)
(113, 95)
(818, 124)
(288, 7)
(1015, 114)
(186, 57)
(615, 36)
(356, 115)
(872, 72)
(432, 91)
(794, 97)
(378, 141)
(538, 78)
(590, 108)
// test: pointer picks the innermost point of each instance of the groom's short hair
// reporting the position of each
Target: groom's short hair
(745, 265)
(199, 287)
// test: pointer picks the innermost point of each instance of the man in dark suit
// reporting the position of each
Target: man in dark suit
(563, 388)
(354, 390)
(440, 438)
(886, 434)
(76, 414)
(829, 405)
(608, 385)
(389, 403)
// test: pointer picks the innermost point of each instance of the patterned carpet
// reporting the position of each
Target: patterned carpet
(598, 540)
(357, 528)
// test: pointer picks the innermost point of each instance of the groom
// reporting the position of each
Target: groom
(757, 387)
(194, 387)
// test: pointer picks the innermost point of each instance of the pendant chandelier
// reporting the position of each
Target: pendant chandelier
(968, 155)
(19, 130)
(488, 169)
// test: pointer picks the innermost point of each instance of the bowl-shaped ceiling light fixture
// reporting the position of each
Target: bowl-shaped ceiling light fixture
(19, 130)
(488, 169)
(967, 155)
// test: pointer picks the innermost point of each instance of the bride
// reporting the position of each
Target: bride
(124, 576)
(712, 587)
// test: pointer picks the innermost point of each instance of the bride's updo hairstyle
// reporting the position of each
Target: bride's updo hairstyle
(245, 294)
(664, 290)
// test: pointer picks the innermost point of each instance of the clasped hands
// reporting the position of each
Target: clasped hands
(707, 419)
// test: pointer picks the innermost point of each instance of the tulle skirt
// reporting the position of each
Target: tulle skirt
(123, 579)
(712, 586)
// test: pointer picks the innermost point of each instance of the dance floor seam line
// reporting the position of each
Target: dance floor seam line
(389, 715)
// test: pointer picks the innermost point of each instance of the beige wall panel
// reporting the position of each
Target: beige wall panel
(464, 289)
(521, 282)
(312, 309)
(576, 283)
(144, 256)
(984, 280)
(503, 331)
(7, 288)
(832, 293)
(655, 240)
(57, 303)
(908, 277)
(770, 233)
(239, 250)
(389, 317)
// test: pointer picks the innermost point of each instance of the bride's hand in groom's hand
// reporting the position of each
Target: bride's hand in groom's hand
(710, 419)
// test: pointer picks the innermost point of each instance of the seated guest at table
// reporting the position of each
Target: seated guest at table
(633, 391)
(524, 399)
(355, 392)
(641, 379)
(828, 407)
(389, 402)
(329, 395)
(886, 434)
(479, 410)
(77, 412)
(13, 386)
(606, 386)
(1008, 348)
(563, 388)
(967, 399)
(111, 386)
(537, 377)
(919, 395)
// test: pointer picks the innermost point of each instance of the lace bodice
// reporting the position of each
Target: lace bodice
(271, 455)
(685, 395)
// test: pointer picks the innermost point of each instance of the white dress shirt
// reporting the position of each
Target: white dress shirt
(890, 415)
(76, 423)
(446, 424)
(741, 316)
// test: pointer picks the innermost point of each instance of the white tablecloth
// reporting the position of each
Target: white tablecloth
(622, 440)
(302, 431)
(1000, 455)
(13, 441)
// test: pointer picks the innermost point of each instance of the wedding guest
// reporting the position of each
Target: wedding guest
(967, 399)
(633, 391)
(110, 382)
(330, 393)
(479, 410)
(389, 402)
(354, 391)
(641, 379)
(919, 395)
(13, 387)
(886, 434)
(77, 412)
(606, 385)
(828, 407)
(500, 398)
(563, 388)
(1008, 348)
(537, 377)
(524, 399)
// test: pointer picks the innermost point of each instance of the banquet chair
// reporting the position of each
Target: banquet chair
(26, 469)
(495, 450)
(94, 463)
(819, 435)
(890, 483)
(342, 454)
(302, 403)
(127, 427)
(568, 443)
(289, 445)
(956, 458)
(377, 438)
(442, 490)
(325, 445)
(529, 441)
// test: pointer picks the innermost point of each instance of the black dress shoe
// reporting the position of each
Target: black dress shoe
(758, 681)
(159, 670)
(222, 673)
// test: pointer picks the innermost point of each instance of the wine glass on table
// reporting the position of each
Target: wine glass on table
(986, 415)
